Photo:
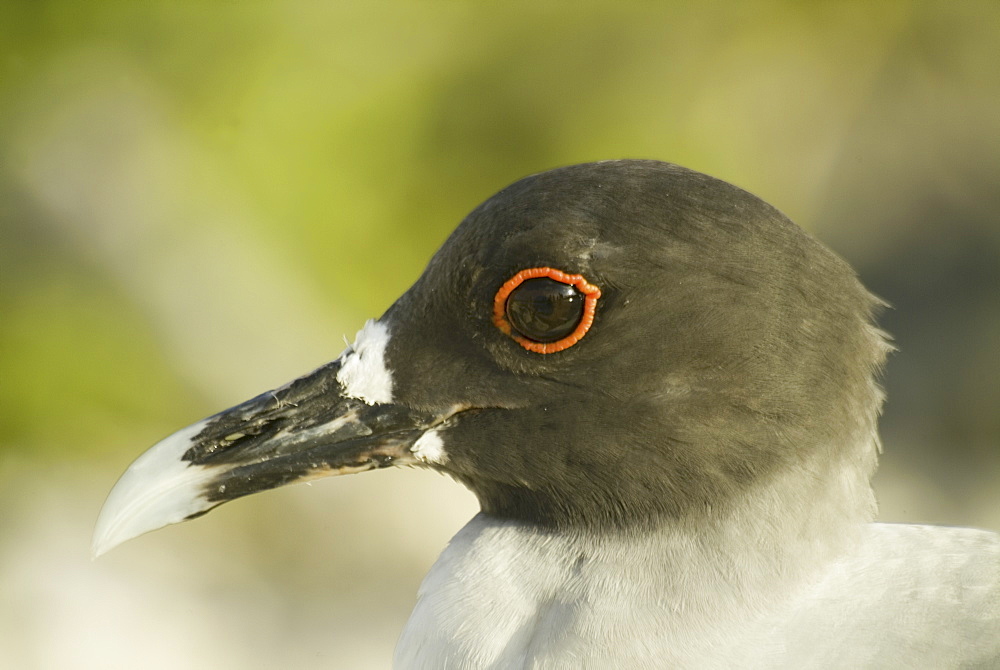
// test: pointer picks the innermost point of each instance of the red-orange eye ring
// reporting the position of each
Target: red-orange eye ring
(590, 295)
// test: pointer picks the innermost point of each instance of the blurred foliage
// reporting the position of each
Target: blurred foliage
(153, 152)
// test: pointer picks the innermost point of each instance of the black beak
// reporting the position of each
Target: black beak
(306, 429)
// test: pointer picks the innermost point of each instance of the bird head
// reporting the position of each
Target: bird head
(602, 345)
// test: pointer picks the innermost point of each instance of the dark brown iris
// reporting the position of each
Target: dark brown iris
(545, 310)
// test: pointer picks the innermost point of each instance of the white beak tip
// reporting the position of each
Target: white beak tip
(158, 489)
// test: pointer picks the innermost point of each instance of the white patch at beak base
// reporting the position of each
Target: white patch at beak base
(363, 373)
(429, 448)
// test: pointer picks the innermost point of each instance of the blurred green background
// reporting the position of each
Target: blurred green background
(198, 201)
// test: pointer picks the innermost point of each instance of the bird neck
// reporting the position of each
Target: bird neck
(755, 554)
(690, 580)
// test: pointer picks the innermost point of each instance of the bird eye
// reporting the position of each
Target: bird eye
(545, 310)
